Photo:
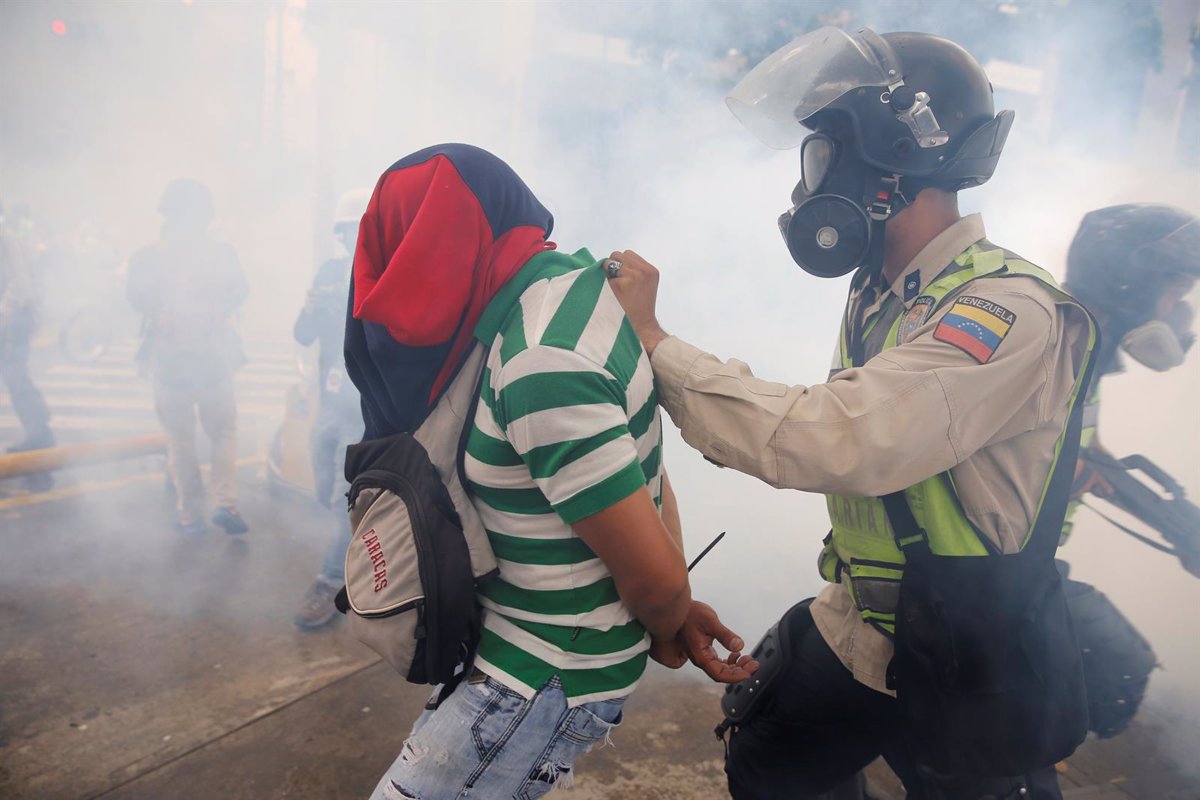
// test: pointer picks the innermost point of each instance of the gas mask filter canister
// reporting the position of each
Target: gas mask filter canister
(1154, 345)
(827, 235)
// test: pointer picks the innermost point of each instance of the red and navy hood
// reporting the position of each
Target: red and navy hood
(445, 229)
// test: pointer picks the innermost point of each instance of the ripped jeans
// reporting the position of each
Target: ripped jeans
(486, 741)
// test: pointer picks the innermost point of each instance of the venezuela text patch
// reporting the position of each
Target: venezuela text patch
(975, 326)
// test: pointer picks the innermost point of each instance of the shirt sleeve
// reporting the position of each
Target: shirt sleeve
(909, 413)
(565, 416)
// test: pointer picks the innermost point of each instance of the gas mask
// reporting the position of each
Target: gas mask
(1161, 344)
(839, 208)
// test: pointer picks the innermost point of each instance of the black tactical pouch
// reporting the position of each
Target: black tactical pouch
(987, 670)
(773, 653)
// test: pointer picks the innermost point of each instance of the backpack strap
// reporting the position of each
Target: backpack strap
(475, 366)
(469, 420)
(444, 434)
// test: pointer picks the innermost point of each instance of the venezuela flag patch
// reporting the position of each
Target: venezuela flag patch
(975, 326)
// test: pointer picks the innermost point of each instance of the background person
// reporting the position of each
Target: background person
(339, 418)
(188, 287)
(18, 318)
(1132, 265)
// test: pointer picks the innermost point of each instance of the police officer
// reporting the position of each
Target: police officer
(1132, 265)
(339, 419)
(958, 368)
(188, 286)
(18, 312)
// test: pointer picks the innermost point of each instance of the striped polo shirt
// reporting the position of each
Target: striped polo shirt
(567, 425)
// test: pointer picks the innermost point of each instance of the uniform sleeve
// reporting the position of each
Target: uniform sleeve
(308, 323)
(565, 416)
(304, 331)
(909, 413)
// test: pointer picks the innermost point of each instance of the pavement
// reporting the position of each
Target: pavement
(136, 662)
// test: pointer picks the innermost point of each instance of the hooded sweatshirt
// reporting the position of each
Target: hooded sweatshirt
(452, 248)
(445, 229)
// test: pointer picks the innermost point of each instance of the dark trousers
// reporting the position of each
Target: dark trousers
(820, 727)
(28, 403)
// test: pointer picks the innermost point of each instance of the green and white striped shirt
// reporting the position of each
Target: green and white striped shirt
(567, 425)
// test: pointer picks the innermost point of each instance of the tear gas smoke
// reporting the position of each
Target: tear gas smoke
(613, 114)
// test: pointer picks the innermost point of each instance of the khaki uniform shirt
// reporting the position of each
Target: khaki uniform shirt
(908, 413)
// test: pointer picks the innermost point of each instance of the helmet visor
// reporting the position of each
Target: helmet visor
(801, 78)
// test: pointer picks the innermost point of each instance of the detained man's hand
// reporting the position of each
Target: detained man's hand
(696, 637)
(636, 287)
(669, 653)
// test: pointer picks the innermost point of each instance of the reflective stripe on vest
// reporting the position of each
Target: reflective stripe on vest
(1091, 417)
(861, 547)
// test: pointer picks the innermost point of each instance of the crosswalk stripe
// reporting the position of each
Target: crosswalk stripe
(110, 396)
(92, 487)
(50, 388)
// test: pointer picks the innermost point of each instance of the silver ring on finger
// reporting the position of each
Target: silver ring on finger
(612, 267)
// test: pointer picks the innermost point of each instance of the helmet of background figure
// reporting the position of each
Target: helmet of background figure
(347, 214)
(878, 118)
(1131, 265)
(187, 203)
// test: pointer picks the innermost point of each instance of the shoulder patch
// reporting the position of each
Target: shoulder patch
(914, 318)
(975, 326)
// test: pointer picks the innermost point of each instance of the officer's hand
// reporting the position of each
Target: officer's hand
(668, 652)
(700, 628)
(636, 287)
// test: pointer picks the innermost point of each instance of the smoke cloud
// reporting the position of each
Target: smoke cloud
(613, 114)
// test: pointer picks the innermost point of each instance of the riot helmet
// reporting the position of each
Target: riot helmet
(878, 118)
(1122, 262)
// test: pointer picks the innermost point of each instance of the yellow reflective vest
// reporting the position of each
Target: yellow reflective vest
(861, 550)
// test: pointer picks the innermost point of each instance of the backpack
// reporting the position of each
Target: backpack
(418, 546)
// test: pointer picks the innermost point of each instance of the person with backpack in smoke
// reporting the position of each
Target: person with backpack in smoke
(188, 287)
(944, 440)
(339, 418)
(1132, 265)
(563, 458)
